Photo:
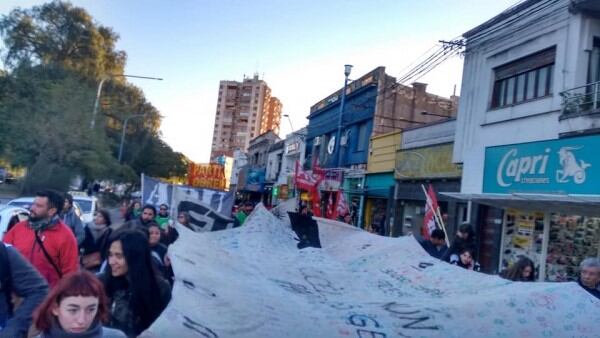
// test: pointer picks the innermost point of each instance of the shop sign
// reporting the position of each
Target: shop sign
(255, 179)
(565, 166)
(427, 162)
(292, 148)
(206, 175)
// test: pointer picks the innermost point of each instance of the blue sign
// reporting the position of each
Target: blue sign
(564, 166)
(255, 179)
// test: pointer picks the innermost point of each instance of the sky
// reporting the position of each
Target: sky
(298, 47)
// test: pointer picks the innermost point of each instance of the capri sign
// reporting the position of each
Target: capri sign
(566, 166)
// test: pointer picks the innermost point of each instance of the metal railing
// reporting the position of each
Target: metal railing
(581, 99)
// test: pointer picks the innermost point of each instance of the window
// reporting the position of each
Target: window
(363, 139)
(525, 79)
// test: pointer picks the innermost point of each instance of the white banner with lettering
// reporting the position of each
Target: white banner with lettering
(252, 281)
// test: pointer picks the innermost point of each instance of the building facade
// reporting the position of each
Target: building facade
(424, 158)
(379, 181)
(244, 110)
(527, 128)
(375, 104)
(252, 184)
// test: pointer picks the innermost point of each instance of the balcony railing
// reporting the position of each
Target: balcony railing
(582, 99)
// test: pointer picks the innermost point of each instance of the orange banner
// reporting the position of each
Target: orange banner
(206, 175)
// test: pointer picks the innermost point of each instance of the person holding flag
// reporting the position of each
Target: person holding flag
(432, 219)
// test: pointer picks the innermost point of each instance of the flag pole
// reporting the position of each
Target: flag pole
(436, 215)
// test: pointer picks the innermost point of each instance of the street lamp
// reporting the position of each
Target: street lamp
(99, 92)
(123, 133)
(338, 139)
(289, 120)
(434, 114)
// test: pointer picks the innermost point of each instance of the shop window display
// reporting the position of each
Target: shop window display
(523, 236)
(572, 238)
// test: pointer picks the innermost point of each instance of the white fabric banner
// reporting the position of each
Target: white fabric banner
(252, 281)
(209, 210)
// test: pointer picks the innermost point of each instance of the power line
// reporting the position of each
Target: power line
(532, 10)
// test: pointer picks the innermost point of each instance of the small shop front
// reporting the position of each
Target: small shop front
(420, 167)
(379, 189)
(549, 195)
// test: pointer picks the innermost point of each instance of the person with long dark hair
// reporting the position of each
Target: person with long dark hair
(465, 237)
(466, 259)
(522, 270)
(137, 292)
(76, 308)
(94, 248)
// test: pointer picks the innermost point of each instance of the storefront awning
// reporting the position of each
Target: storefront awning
(584, 205)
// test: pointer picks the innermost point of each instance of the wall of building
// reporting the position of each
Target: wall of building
(436, 133)
(259, 147)
(478, 126)
(375, 104)
(382, 153)
(274, 161)
(242, 109)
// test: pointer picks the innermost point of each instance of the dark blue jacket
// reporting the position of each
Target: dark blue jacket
(433, 250)
(594, 292)
(27, 284)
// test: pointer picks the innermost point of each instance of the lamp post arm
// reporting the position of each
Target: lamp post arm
(123, 134)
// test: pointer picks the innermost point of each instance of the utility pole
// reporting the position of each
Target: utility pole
(338, 138)
(99, 92)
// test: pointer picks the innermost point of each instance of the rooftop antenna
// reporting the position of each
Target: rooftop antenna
(454, 91)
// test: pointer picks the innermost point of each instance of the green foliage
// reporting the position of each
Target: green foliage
(55, 56)
(48, 131)
(60, 33)
(158, 159)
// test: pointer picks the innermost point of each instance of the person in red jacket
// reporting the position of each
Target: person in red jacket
(44, 239)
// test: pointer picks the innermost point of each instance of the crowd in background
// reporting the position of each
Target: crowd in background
(105, 278)
(113, 279)
(462, 252)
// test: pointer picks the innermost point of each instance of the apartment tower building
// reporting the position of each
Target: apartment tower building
(244, 110)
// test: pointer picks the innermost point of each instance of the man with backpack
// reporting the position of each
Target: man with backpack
(19, 277)
(44, 240)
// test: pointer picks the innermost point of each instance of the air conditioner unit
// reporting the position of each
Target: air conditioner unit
(317, 141)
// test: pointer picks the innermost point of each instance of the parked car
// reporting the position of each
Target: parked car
(10, 216)
(88, 205)
(26, 202)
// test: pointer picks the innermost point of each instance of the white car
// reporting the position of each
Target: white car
(26, 202)
(88, 205)
(10, 216)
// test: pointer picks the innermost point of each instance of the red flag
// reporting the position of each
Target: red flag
(429, 223)
(341, 205)
(330, 208)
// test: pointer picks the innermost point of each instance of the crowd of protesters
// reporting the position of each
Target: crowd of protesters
(62, 278)
(59, 278)
(462, 253)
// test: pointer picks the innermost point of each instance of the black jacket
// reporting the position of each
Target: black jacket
(25, 282)
(457, 245)
(122, 314)
(89, 245)
(433, 250)
(593, 292)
